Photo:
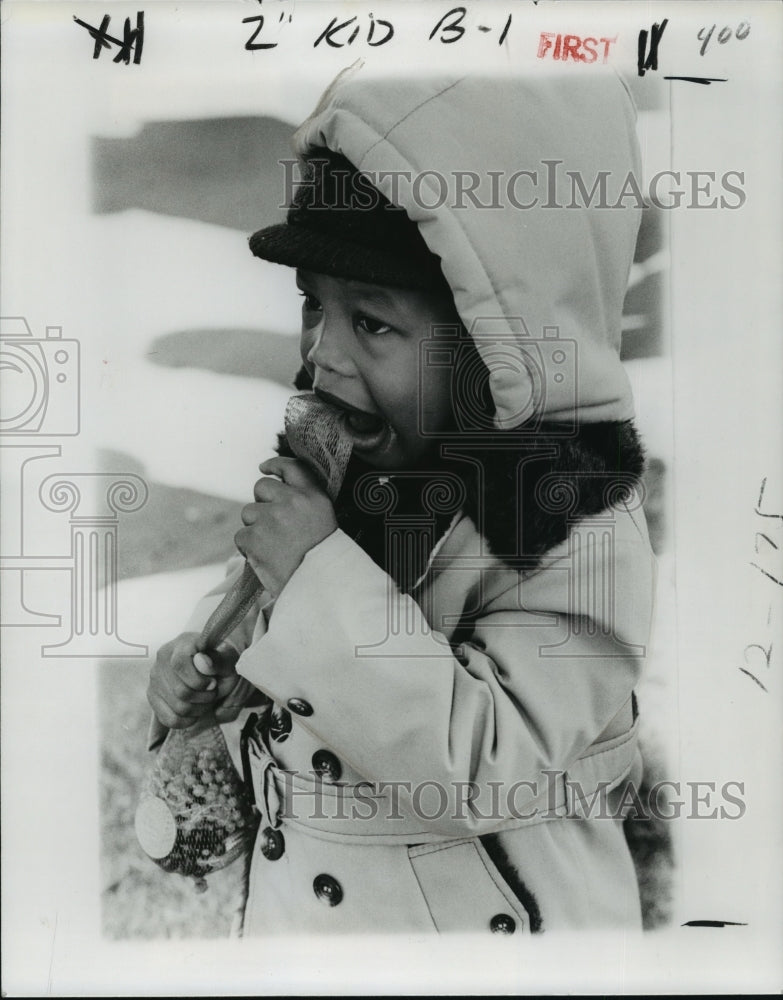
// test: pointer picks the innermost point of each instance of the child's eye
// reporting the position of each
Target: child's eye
(366, 324)
(310, 303)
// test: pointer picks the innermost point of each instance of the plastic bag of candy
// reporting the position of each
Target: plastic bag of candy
(195, 814)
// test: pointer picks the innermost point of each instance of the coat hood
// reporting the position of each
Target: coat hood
(516, 183)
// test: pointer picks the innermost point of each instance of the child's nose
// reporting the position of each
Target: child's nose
(330, 348)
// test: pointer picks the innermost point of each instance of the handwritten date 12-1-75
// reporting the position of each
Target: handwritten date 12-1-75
(768, 549)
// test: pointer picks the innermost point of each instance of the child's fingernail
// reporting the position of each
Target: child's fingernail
(202, 663)
(212, 685)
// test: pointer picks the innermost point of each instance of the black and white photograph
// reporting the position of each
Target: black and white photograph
(392, 501)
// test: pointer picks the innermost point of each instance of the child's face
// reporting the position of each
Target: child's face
(360, 345)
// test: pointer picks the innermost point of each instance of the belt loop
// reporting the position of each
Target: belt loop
(267, 802)
(272, 807)
(251, 744)
(248, 733)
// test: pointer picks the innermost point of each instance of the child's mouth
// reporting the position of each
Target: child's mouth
(368, 431)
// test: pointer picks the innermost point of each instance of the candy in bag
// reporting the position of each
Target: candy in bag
(195, 814)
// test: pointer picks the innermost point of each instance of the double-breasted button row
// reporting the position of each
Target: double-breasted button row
(299, 706)
(326, 765)
(272, 844)
(328, 889)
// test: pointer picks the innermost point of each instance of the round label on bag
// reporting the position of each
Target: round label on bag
(156, 828)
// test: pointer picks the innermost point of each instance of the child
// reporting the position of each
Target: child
(447, 669)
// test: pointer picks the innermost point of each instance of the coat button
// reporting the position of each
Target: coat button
(300, 707)
(280, 725)
(328, 889)
(272, 844)
(261, 724)
(326, 765)
(502, 923)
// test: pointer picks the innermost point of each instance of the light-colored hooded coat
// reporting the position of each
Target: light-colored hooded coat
(431, 756)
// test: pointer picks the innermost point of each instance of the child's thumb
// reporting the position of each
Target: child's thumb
(205, 666)
(218, 662)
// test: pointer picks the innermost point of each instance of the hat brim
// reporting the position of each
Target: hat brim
(325, 253)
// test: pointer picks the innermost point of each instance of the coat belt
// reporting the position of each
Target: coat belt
(364, 813)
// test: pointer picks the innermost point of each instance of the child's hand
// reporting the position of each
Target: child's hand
(291, 515)
(186, 683)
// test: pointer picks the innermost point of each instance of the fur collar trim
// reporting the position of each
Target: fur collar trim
(521, 498)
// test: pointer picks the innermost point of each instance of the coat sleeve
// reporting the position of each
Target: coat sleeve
(372, 681)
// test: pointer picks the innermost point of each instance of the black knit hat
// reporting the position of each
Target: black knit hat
(340, 225)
